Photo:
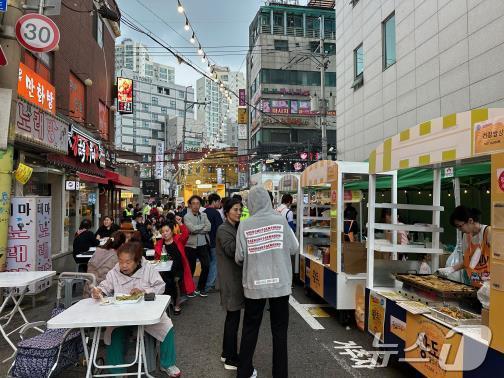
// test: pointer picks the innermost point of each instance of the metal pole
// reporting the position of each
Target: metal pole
(323, 102)
(8, 81)
(41, 6)
(184, 124)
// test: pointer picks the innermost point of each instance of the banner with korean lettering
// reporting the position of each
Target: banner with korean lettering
(36, 89)
(376, 315)
(22, 238)
(159, 167)
(36, 126)
(489, 136)
(44, 260)
(125, 95)
(84, 148)
(242, 97)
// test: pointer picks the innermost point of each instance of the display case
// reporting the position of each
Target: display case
(331, 266)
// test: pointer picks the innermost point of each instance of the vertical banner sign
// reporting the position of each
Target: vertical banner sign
(242, 116)
(44, 260)
(242, 97)
(36, 89)
(21, 256)
(219, 176)
(159, 167)
(376, 315)
(125, 95)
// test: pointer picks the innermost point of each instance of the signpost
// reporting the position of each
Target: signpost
(37, 33)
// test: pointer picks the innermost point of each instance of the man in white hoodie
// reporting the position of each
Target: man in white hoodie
(264, 245)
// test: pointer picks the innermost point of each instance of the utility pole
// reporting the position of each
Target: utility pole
(8, 80)
(188, 105)
(323, 101)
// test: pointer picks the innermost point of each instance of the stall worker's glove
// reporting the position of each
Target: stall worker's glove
(445, 272)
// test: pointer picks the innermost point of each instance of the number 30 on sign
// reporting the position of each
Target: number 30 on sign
(37, 33)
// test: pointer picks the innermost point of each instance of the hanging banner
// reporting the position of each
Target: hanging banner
(242, 116)
(23, 173)
(159, 167)
(36, 89)
(125, 95)
(33, 125)
(219, 176)
(242, 97)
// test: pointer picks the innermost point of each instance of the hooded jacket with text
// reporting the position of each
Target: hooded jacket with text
(264, 244)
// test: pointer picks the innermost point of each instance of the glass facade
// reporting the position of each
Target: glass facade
(359, 60)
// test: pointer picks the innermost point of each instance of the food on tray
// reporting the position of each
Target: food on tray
(436, 283)
(456, 313)
(132, 297)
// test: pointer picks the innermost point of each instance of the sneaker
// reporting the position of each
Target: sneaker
(230, 365)
(254, 374)
(172, 371)
(202, 293)
(222, 358)
(193, 294)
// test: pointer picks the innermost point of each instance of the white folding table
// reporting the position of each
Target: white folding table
(89, 313)
(164, 266)
(13, 281)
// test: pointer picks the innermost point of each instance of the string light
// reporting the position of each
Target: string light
(200, 50)
(186, 26)
(193, 39)
(180, 8)
(203, 59)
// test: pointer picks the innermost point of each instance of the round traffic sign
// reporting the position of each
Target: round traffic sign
(37, 33)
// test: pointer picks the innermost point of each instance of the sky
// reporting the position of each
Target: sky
(220, 25)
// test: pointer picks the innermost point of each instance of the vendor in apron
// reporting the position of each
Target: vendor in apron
(475, 244)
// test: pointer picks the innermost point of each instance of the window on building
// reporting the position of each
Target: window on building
(278, 19)
(154, 100)
(389, 41)
(163, 109)
(173, 104)
(167, 91)
(181, 94)
(160, 90)
(180, 113)
(146, 124)
(98, 29)
(154, 116)
(224, 77)
(294, 20)
(287, 77)
(281, 45)
(145, 107)
(358, 67)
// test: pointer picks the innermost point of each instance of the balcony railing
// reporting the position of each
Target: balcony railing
(295, 32)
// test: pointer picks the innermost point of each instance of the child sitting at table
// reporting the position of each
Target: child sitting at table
(132, 275)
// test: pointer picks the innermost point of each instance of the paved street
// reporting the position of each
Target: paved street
(199, 337)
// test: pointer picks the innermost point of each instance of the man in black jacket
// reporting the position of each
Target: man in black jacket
(213, 215)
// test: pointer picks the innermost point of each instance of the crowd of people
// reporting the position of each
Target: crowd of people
(243, 252)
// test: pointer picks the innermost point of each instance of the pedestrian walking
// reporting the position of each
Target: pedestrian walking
(198, 243)
(230, 282)
(213, 215)
(285, 210)
(264, 244)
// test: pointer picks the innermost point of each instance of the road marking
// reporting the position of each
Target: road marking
(342, 362)
(303, 312)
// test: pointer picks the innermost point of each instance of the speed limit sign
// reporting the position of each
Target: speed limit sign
(37, 33)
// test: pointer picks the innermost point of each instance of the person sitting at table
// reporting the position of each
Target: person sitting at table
(107, 228)
(104, 259)
(132, 275)
(84, 240)
(145, 229)
(173, 243)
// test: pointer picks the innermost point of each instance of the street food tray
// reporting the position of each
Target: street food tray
(455, 316)
(436, 285)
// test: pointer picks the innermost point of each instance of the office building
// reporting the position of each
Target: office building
(283, 72)
(402, 63)
(135, 56)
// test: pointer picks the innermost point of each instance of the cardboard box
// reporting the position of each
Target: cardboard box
(354, 257)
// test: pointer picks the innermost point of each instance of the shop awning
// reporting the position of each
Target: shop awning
(73, 164)
(420, 176)
(118, 179)
(91, 178)
(130, 189)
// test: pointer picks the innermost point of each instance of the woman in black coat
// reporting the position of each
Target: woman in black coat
(84, 239)
(230, 281)
(106, 229)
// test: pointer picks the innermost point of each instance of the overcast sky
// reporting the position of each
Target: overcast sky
(221, 26)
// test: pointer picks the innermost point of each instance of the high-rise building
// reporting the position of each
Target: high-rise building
(219, 116)
(154, 103)
(135, 56)
(404, 63)
(283, 72)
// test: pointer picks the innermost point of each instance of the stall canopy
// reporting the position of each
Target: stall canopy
(116, 178)
(420, 176)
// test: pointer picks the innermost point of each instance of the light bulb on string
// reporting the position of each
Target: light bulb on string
(186, 26)
(180, 8)
(200, 50)
(204, 58)
(193, 39)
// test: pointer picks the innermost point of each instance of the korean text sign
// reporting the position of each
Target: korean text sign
(125, 95)
(85, 149)
(35, 125)
(36, 90)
